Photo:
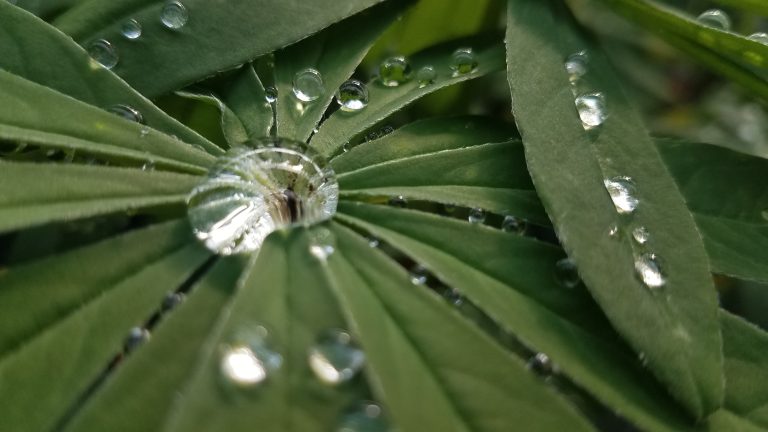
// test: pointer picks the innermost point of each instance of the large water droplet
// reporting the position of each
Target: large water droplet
(622, 192)
(463, 61)
(127, 112)
(577, 65)
(248, 360)
(394, 71)
(514, 225)
(641, 235)
(322, 243)
(103, 52)
(426, 76)
(335, 358)
(759, 37)
(715, 18)
(592, 111)
(476, 216)
(649, 270)
(566, 273)
(308, 85)
(131, 29)
(253, 191)
(418, 275)
(174, 15)
(366, 417)
(270, 94)
(352, 96)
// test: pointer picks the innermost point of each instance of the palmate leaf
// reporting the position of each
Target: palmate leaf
(674, 327)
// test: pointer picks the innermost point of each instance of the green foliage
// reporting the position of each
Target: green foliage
(488, 337)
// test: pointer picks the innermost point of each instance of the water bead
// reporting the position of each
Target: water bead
(394, 71)
(622, 192)
(648, 270)
(613, 231)
(127, 112)
(577, 65)
(715, 18)
(476, 216)
(592, 111)
(335, 359)
(541, 364)
(463, 61)
(373, 242)
(352, 96)
(174, 15)
(308, 85)
(641, 235)
(566, 273)
(104, 53)
(131, 29)
(136, 336)
(513, 224)
(759, 37)
(322, 243)
(426, 76)
(270, 94)
(254, 190)
(248, 360)
(418, 275)
(366, 417)
(171, 300)
(398, 201)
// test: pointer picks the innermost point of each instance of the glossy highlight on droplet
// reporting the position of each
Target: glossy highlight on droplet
(308, 85)
(394, 71)
(335, 358)
(426, 76)
(577, 65)
(623, 193)
(649, 271)
(174, 15)
(127, 112)
(592, 110)
(715, 18)
(104, 53)
(463, 61)
(352, 96)
(248, 359)
(476, 216)
(131, 29)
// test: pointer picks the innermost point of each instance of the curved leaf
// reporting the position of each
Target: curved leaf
(158, 61)
(675, 327)
(245, 96)
(33, 49)
(342, 126)
(34, 194)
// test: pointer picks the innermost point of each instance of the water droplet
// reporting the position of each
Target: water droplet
(592, 112)
(577, 65)
(335, 358)
(641, 235)
(419, 275)
(127, 112)
(308, 85)
(759, 37)
(322, 243)
(252, 191)
(476, 216)
(174, 15)
(514, 225)
(270, 94)
(352, 96)
(248, 360)
(373, 242)
(171, 300)
(622, 192)
(715, 18)
(426, 76)
(541, 364)
(136, 337)
(566, 273)
(131, 29)
(148, 166)
(463, 61)
(398, 201)
(366, 417)
(103, 52)
(144, 132)
(649, 270)
(613, 231)
(453, 297)
(394, 71)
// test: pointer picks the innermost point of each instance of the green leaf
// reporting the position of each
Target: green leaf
(34, 114)
(435, 371)
(513, 280)
(231, 127)
(159, 61)
(83, 341)
(726, 190)
(489, 176)
(50, 58)
(34, 194)
(342, 126)
(675, 326)
(139, 396)
(756, 6)
(46, 8)
(335, 55)
(245, 96)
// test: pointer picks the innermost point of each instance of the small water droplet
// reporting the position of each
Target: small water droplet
(641, 235)
(352, 96)
(394, 71)
(622, 192)
(335, 358)
(398, 201)
(248, 360)
(715, 18)
(104, 53)
(366, 417)
(649, 271)
(577, 65)
(136, 337)
(144, 132)
(463, 61)
(270, 94)
(476, 216)
(255, 190)
(148, 166)
(373, 242)
(127, 112)
(566, 273)
(418, 275)
(426, 76)
(592, 111)
(131, 29)
(171, 300)
(613, 231)
(514, 225)
(308, 85)
(322, 243)
(453, 297)
(174, 15)
(759, 37)
(541, 365)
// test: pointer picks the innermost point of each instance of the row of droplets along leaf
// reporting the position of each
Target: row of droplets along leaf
(716, 18)
(475, 215)
(591, 105)
(173, 15)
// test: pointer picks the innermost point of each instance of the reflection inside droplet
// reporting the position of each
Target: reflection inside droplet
(649, 271)
(622, 192)
(335, 358)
